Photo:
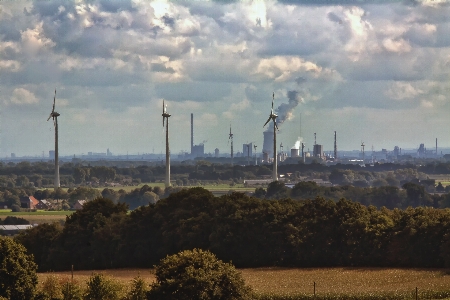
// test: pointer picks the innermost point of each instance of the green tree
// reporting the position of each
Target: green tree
(306, 189)
(42, 242)
(71, 290)
(440, 188)
(51, 288)
(415, 194)
(18, 278)
(91, 235)
(138, 289)
(277, 189)
(79, 174)
(22, 181)
(260, 193)
(197, 274)
(100, 287)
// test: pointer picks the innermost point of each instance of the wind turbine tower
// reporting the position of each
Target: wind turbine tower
(166, 115)
(273, 117)
(54, 115)
(362, 148)
(303, 152)
(230, 137)
(335, 147)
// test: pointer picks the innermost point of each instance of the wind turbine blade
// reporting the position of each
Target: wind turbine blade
(54, 101)
(49, 117)
(268, 120)
(273, 97)
(163, 121)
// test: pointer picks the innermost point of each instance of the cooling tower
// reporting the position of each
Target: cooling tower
(295, 152)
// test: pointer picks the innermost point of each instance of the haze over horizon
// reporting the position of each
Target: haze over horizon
(374, 71)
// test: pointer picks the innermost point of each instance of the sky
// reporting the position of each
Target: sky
(376, 72)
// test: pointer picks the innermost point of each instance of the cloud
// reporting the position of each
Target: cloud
(34, 40)
(21, 96)
(119, 59)
(236, 108)
(402, 90)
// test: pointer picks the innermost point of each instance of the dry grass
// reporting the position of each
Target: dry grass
(345, 280)
(122, 275)
(39, 219)
(348, 281)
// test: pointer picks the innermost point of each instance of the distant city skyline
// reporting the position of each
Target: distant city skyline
(376, 72)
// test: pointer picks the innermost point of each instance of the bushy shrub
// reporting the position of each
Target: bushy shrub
(138, 289)
(71, 290)
(100, 287)
(197, 274)
(51, 288)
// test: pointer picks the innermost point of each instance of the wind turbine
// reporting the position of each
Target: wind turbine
(273, 117)
(55, 116)
(165, 115)
(230, 137)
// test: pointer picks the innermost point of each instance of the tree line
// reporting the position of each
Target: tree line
(40, 174)
(248, 231)
(411, 194)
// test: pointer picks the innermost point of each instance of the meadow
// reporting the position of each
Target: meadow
(37, 217)
(287, 283)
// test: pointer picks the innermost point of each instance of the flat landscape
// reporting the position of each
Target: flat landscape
(287, 281)
(37, 217)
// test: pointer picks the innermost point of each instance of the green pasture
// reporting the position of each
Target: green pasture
(8, 212)
(209, 187)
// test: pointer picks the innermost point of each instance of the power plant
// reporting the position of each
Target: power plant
(268, 144)
(269, 152)
(55, 116)
(166, 116)
(196, 150)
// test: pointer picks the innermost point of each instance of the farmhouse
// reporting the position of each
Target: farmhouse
(79, 204)
(28, 202)
(43, 204)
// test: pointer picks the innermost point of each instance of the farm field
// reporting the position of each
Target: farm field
(287, 281)
(37, 217)
(216, 189)
(8, 212)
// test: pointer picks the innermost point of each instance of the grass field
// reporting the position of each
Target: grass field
(38, 217)
(8, 212)
(286, 281)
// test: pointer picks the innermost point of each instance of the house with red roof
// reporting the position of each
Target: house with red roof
(28, 202)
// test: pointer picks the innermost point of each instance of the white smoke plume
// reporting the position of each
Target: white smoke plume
(298, 143)
(284, 110)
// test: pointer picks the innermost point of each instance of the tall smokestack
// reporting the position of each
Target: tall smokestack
(192, 133)
(436, 147)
